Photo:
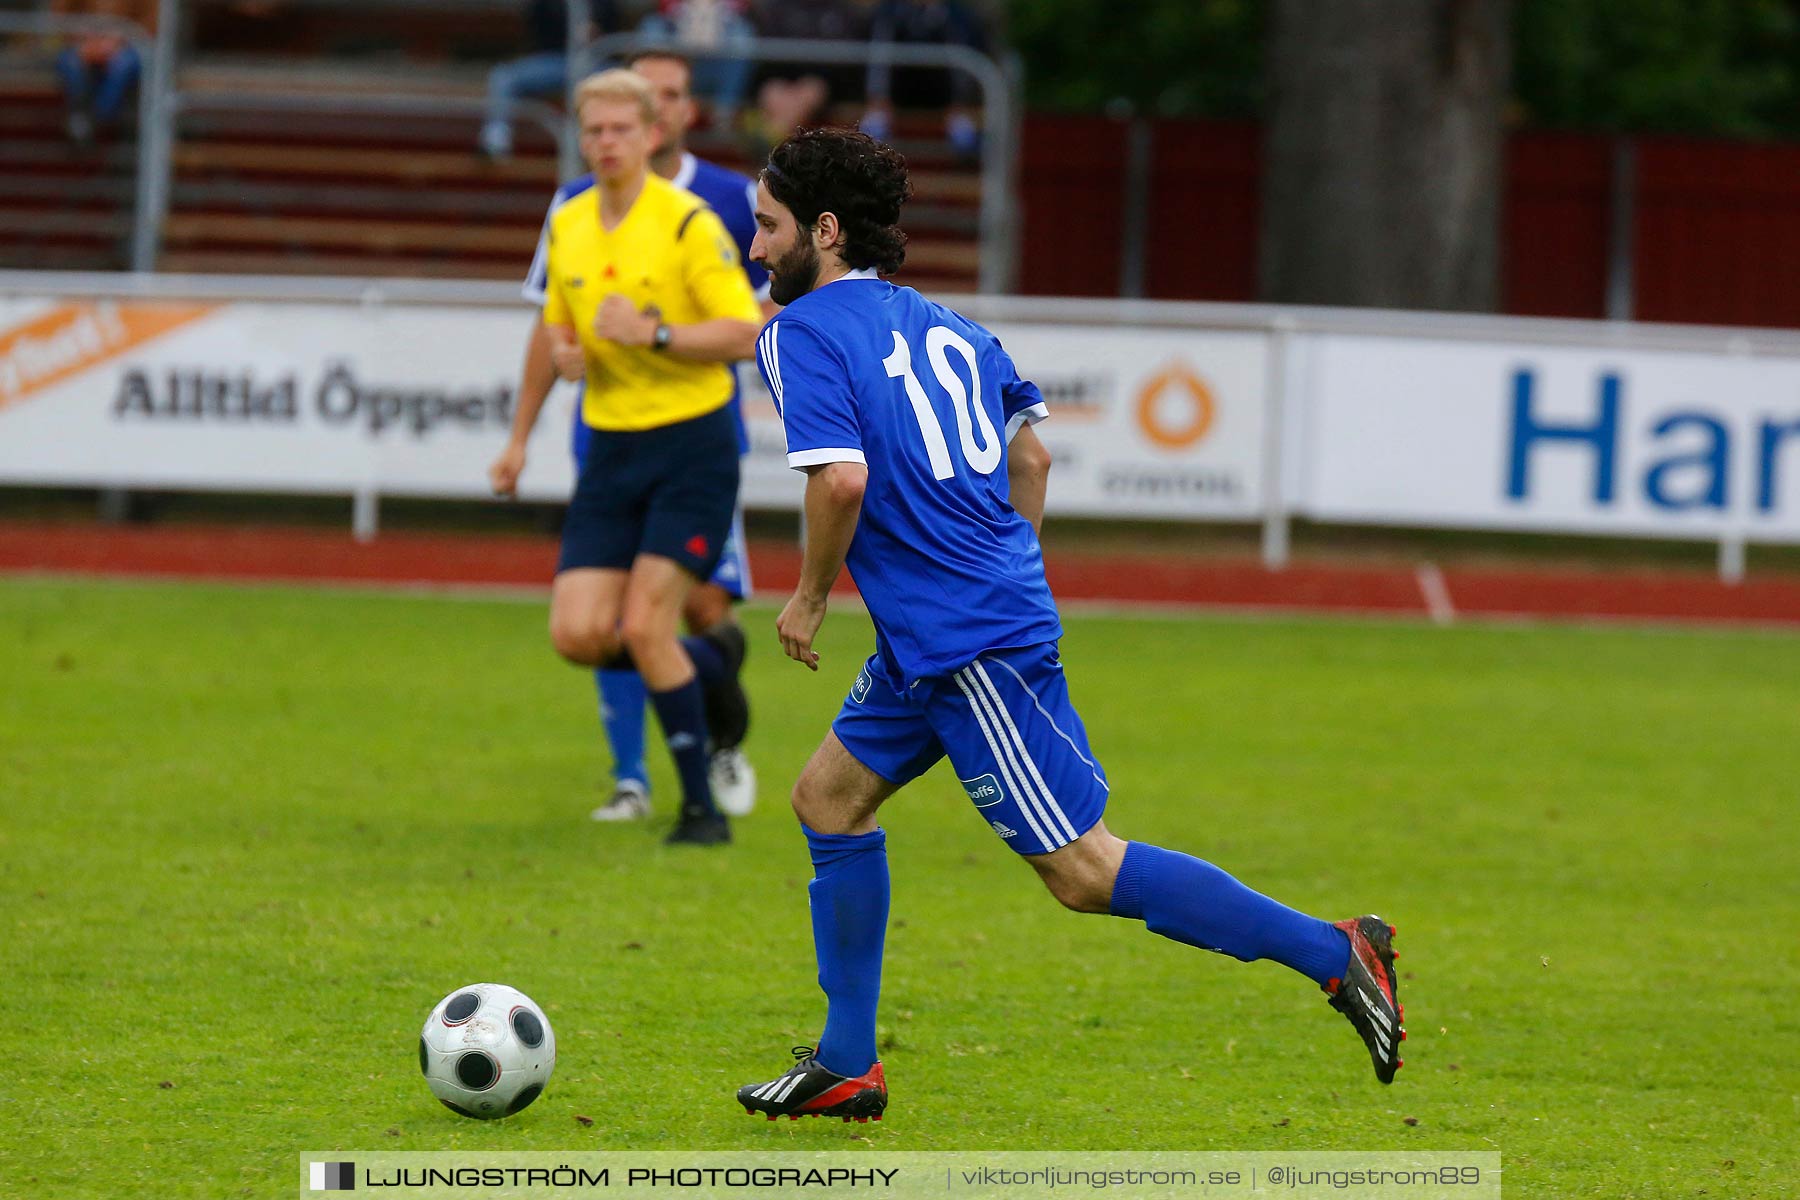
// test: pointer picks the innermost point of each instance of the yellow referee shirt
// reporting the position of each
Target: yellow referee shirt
(671, 254)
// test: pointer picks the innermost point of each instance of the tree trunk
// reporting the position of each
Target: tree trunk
(1382, 176)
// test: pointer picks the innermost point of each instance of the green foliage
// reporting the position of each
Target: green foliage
(1162, 57)
(1666, 66)
(249, 836)
(1655, 66)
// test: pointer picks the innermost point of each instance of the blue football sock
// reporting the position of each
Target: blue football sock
(849, 895)
(683, 718)
(1195, 902)
(622, 696)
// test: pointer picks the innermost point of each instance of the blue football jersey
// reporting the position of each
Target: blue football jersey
(864, 371)
(730, 195)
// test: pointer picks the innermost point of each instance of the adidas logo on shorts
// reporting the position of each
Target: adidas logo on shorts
(1002, 830)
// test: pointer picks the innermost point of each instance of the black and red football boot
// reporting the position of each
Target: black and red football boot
(809, 1090)
(1369, 993)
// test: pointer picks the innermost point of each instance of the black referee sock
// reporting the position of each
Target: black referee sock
(683, 716)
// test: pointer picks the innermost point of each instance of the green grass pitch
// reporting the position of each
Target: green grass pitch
(249, 835)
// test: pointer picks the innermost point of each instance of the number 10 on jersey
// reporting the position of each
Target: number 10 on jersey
(982, 452)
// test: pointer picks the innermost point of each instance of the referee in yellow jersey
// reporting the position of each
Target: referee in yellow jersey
(647, 300)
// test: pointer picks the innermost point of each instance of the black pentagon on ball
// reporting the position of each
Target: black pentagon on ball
(477, 1071)
(529, 1029)
(424, 1058)
(461, 1008)
(524, 1098)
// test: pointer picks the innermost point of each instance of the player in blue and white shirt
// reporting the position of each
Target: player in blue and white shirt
(901, 412)
(622, 695)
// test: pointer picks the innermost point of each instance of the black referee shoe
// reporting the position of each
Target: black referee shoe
(700, 829)
(809, 1090)
(1369, 995)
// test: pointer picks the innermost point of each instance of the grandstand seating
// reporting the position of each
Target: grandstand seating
(61, 208)
(316, 192)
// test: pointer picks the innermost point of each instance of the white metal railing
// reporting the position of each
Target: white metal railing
(1000, 107)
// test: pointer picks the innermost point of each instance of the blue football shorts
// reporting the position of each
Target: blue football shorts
(1016, 743)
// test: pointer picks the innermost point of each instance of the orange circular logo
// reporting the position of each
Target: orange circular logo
(1175, 409)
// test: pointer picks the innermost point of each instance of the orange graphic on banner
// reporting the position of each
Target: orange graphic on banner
(72, 338)
(1196, 408)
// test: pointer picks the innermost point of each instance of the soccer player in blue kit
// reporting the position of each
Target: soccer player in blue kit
(924, 479)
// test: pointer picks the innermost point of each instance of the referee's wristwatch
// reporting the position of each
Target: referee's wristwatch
(660, 339)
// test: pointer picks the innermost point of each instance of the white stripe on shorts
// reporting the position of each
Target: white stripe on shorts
(1031, 802)
(1054, 809)
(1039, 705)
(1000, 761)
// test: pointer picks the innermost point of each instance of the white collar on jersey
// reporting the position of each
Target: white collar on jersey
(684, 174)
(864, 273)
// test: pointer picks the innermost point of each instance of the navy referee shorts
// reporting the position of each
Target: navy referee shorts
(669, 491)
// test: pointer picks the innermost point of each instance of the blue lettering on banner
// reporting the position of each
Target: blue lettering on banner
(1772, 437)
(1695, 477)
(1602, 437)
(1714, 462)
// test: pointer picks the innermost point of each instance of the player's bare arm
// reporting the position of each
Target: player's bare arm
(1028, 475)
(834, 493)
(721, 339)
(536, 376)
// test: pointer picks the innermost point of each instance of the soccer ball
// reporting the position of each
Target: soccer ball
(487, 1051)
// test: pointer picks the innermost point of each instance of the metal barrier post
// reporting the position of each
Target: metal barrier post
(156, 139)
(1621, 237)
(365, 514)
(1732, 558)
(1134, 235)
(575, 63)
(1275, 545)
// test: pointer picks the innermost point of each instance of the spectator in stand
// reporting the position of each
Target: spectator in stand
(711, 35)
(794, 94)
(543, 71)
(99, 70)
(925, 23)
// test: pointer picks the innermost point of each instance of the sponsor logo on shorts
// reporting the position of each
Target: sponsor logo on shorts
(859, 691)
(1003, 831)
(696, 545)
(984, 791)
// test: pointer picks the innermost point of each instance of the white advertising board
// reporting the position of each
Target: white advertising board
(1640, 442)
(268, 397)
(416, 399)
(1143, 423)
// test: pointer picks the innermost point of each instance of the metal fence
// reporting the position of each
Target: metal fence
(1001, 110)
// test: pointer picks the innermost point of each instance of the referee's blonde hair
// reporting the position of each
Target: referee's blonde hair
(619, 84)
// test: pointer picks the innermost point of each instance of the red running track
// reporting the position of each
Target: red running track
(270, 553)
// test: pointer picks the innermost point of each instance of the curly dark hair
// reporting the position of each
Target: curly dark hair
(849, 173)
